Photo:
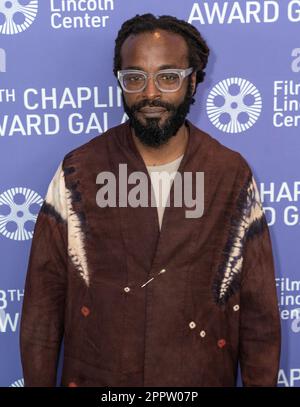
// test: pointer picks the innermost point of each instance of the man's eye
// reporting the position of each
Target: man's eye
(168, 77)
(134, 78)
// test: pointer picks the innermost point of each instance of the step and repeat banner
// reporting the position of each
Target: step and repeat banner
(57, 91)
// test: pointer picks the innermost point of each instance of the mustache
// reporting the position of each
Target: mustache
(153, 103)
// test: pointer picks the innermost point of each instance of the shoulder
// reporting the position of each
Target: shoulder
(94, 149)
(224, 160)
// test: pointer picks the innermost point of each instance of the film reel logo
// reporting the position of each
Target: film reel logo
(17, 15)
(19, 208)
(234, 105)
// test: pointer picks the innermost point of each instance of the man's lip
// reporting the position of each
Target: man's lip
(154, 109)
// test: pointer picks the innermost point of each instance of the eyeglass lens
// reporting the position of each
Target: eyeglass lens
(166, 81)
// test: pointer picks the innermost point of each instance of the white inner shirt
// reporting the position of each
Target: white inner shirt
(162, 177)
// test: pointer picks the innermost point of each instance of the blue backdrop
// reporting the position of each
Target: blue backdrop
(57, 91)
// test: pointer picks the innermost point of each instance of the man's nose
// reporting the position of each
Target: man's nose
(151, 91)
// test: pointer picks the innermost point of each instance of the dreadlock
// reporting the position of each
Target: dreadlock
(198, 49)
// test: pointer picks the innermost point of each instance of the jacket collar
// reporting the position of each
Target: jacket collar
(193, 144)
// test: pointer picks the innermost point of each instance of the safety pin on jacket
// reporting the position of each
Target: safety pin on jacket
(160, 272)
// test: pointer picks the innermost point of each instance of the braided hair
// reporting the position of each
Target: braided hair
(198, 49)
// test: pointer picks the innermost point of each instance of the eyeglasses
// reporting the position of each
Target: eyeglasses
(166, 80)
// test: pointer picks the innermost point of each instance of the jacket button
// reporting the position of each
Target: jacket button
(202, 334)
(192, 325)
(85, 311)
(221, 343)
(236, 307)
(126, 289)
(72, 384)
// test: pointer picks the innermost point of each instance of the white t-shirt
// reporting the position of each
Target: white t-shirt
(161, 183)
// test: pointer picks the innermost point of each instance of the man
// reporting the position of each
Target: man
(145, 295)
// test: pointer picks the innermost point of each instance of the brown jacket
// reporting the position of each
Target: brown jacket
(212, 300)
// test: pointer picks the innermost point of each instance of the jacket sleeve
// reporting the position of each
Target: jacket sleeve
(42, 318)
(259, 313)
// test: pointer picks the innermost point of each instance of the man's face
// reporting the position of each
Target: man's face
(151, 52)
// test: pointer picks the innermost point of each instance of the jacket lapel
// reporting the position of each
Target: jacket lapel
(147, 248)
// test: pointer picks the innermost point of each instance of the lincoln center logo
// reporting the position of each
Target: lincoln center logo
(234, 105)
(19, 208)
(17, 15)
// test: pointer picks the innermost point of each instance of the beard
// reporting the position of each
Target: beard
(152, 134)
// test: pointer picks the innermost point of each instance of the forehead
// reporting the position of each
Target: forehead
(151, 50)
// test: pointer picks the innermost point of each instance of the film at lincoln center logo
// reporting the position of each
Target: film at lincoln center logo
(19, 209)
(234, 105)
(17, 15)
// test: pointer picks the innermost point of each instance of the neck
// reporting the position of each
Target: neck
(166, 153)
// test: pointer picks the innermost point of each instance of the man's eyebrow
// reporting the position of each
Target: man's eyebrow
(169, 66)
(165, 66)
(138, 68)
